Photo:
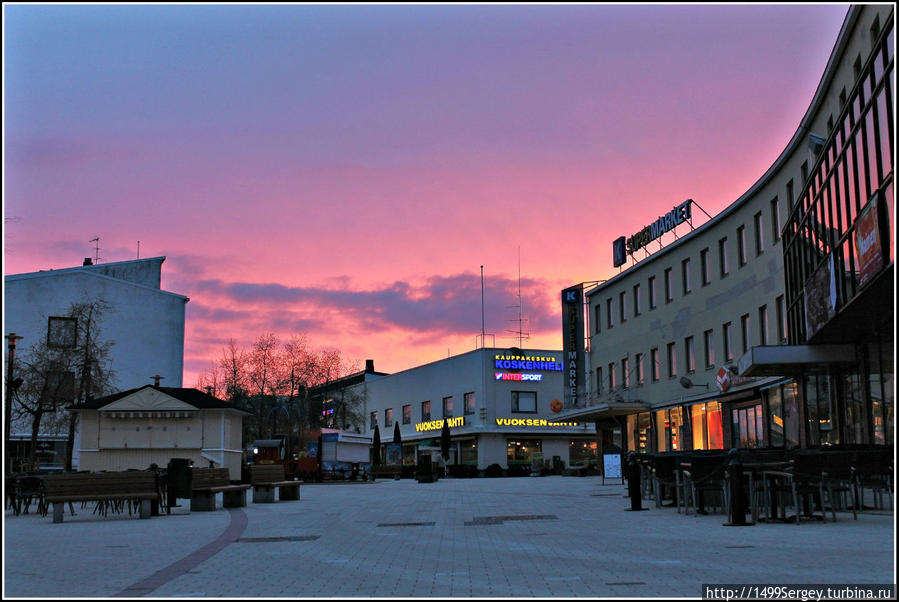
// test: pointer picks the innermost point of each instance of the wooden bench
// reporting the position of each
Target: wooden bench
(131, 486)
(266, 477)
(207, 482)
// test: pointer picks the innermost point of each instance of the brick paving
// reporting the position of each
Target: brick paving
(506, 537)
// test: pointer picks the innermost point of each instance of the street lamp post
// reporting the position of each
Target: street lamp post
(12, 337)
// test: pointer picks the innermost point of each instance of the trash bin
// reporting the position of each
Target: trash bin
(178, 477)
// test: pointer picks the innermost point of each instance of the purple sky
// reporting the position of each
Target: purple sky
(344, 171)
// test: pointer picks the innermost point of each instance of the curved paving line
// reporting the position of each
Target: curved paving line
(176, 569)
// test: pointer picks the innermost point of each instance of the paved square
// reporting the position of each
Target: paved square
(508, 537)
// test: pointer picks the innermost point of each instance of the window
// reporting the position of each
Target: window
(775, 220)
(611, 376)
(685, 274)
(468, 401)
(596, 316)
(722, 256)
(625, 377)
(741, 245)
(705, 267)
(709, 337)
(744, 328)
(654, 364)
(790, 200)
(652, 292)
(599, 380)
(425, 411)
(781, 320)
(763, 325)
(803, 173)
(759, 234)
(669, 294)
(448, 407)
(691, 358)
(636, 299)
(672, 360)
(62, 333)
(622, 301)
(639, 366)
(727, 331)
(59, 387)
(524, 402)
(388, 417)
(407, 413)
(608, 313)
(374, 421)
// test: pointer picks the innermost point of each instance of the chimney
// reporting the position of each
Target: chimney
(87, 261)
(369, 366)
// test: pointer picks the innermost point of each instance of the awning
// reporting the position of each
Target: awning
(602, 410)
(789, 360)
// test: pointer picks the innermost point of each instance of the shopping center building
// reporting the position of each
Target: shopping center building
(771, 324)
(502, 407)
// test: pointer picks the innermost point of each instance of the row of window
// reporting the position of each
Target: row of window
(705, 271)
(448, 412)
(854, 167)
(523, 402)
(619, 374)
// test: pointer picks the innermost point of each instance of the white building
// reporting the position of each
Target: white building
(715, 341)
(144, 322)
(501, 406)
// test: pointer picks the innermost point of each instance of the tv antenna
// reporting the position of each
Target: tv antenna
(522, 335)
(96, 241)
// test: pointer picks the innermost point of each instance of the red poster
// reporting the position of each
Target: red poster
(867, 243)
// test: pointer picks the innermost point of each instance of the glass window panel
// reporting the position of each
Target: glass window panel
(676, 428)
(662, 431)
(886, 141)
(775, 417)
(873, 153)
(715, 425)
(791, 416)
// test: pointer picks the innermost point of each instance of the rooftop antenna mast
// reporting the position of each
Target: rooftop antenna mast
(96, 241)
(522, 336)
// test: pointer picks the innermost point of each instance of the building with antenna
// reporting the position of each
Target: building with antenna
(144, 322)
(501, 404)
(772, 324)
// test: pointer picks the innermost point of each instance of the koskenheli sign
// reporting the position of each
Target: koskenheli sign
(622, 247)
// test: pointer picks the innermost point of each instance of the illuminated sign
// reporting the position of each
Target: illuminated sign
(665, 223)
(531, 422)
(516, 376)
(436, 425)
(526, 362)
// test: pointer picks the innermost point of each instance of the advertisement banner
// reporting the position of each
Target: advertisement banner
(868, 248)
(573, 344)
(820, 298)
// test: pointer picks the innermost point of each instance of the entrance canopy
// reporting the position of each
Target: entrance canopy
(789, 360)
(603, 410)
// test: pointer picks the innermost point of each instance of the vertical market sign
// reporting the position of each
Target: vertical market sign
(573, 342)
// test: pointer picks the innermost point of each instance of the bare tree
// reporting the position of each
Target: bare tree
(69, 366)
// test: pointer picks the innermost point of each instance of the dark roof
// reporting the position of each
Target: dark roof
(194, 397)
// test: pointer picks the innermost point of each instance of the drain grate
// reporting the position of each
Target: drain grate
(498, 520)
(277, 539)
(431, 524)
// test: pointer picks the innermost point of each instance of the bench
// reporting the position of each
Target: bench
(207, 482)
(131, 486)
(266, 477)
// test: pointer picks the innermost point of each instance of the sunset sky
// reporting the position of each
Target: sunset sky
(344, 171)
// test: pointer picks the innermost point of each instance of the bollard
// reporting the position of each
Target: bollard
(633, 483)
(736, 509)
